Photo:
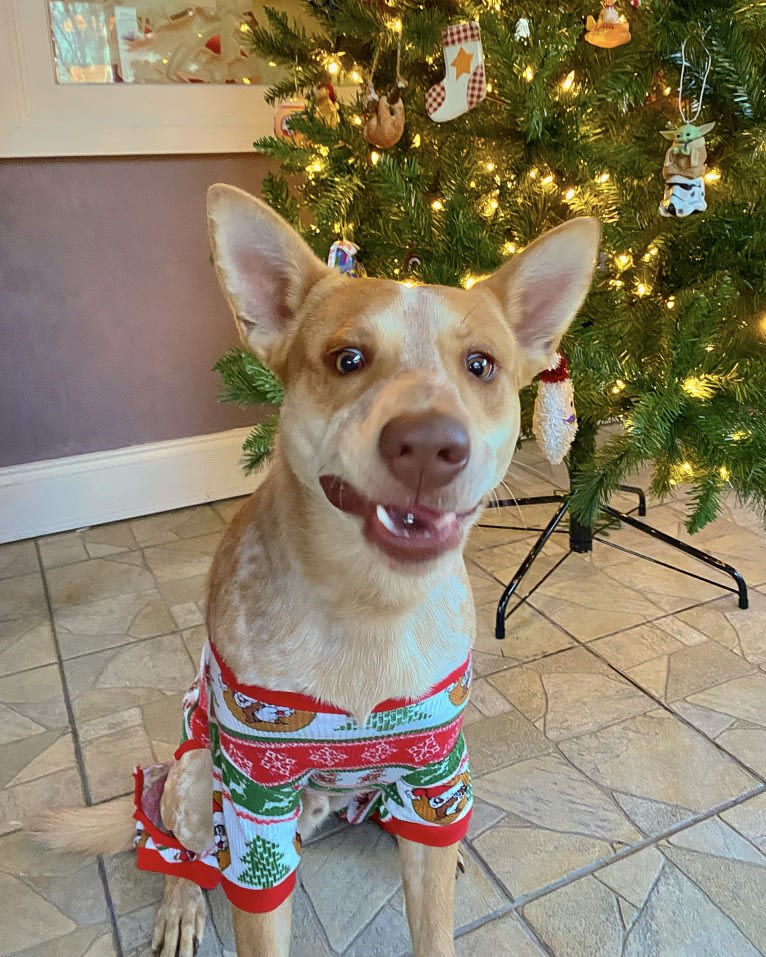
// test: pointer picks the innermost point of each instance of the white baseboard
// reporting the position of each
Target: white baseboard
(62, 494)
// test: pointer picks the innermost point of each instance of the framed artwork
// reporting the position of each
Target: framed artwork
(104, 78)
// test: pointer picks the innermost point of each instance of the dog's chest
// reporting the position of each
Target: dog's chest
(273, 637)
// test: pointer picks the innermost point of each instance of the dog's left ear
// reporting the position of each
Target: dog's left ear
(264, 267)
(542, 287)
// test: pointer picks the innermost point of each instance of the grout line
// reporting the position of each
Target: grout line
(78, 753)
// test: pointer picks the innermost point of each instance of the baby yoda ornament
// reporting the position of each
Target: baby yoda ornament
(684, 170)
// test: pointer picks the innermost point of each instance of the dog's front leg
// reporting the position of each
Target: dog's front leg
(264, 935)
(429, 892)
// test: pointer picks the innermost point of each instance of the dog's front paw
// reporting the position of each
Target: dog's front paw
(180, 921)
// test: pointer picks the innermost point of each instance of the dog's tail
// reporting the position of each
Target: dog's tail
(102, 829)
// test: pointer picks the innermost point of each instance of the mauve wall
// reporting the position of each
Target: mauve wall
(110, 314)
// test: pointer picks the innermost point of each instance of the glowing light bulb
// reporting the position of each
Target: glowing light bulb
(623, 260)
(671, 303)
(570, 194)
(315, 167)
(509, 248)
(642, 289)
(490, 88)
(686, 468)
(762, 326)
(246, 80)
(243, 28)
(604, 178)
(699, 387)
(470, 282)
(333, 68)
(395, 25)
(533, 173)
(547, 180)
(374, 157)
(356, 76)
(568, 82)
(616, 283)
(618, 387)
(416, 141)
(490, 167)
(667, 90)
(712, 176)
(472, 184)
(528, 74)
(357, 120)
(724, 473)
(272, 62)
(438, 205)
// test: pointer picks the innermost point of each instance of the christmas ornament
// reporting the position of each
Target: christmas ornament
(282, 113)
(326, 104)
(343, 258)
(385, 114)
(554, 420)
(522, 31)
(384, 127)
(684, 167)
(464, 84)
(610, 30)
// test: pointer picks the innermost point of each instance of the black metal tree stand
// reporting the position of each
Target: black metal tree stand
(581, 538)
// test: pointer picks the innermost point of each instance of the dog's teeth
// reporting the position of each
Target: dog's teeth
(386, 521)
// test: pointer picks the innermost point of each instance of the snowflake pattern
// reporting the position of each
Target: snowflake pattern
(277, 763)
(426, 750)
(239, 760)
(327, 757)
(378, 751)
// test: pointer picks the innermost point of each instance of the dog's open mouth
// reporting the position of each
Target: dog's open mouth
(410, 533)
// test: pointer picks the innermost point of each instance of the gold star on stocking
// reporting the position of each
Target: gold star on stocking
(462, 62)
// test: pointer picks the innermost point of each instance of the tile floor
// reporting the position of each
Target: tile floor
(618, 741)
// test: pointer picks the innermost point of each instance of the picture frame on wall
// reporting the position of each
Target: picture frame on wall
(95, 116)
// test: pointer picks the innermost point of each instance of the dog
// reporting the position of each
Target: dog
(339, 593)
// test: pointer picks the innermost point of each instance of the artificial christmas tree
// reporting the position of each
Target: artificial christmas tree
(671, 342)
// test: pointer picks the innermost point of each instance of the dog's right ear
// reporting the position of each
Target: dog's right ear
(264, 267)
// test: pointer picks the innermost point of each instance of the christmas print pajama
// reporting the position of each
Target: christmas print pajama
(406, 766)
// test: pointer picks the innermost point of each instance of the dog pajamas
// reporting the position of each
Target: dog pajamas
(406, 767)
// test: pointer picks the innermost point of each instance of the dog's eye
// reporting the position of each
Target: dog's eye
(349, 360)
(480, 365)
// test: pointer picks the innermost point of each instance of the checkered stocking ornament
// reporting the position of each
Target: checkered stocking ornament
(464, 84)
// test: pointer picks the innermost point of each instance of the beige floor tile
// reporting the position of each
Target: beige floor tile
(182, 559)
(18, 558)
(110, 759)
(109, 622)
(501, 740)
(741, 631)
(666, 667)
(528, 634)
(570, 693)
(665, 914)
(348, 877)
(660, 771)
(740, 706)
(20, 805)
(175, 526)
(476, 898)
(97, 542)
(128, 676)
(83, 583)
(590, 603)
(228, 508)
(30, 702)
(25, 636)
(749, 819)
(502, 937)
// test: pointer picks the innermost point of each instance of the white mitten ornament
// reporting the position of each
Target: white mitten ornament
(554, 420)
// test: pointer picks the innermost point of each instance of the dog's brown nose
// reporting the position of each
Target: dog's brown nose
(424, 451)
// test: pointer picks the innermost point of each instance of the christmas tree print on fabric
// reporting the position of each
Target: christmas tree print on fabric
(265, 864)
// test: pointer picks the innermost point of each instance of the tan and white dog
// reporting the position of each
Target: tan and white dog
(342, 577)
